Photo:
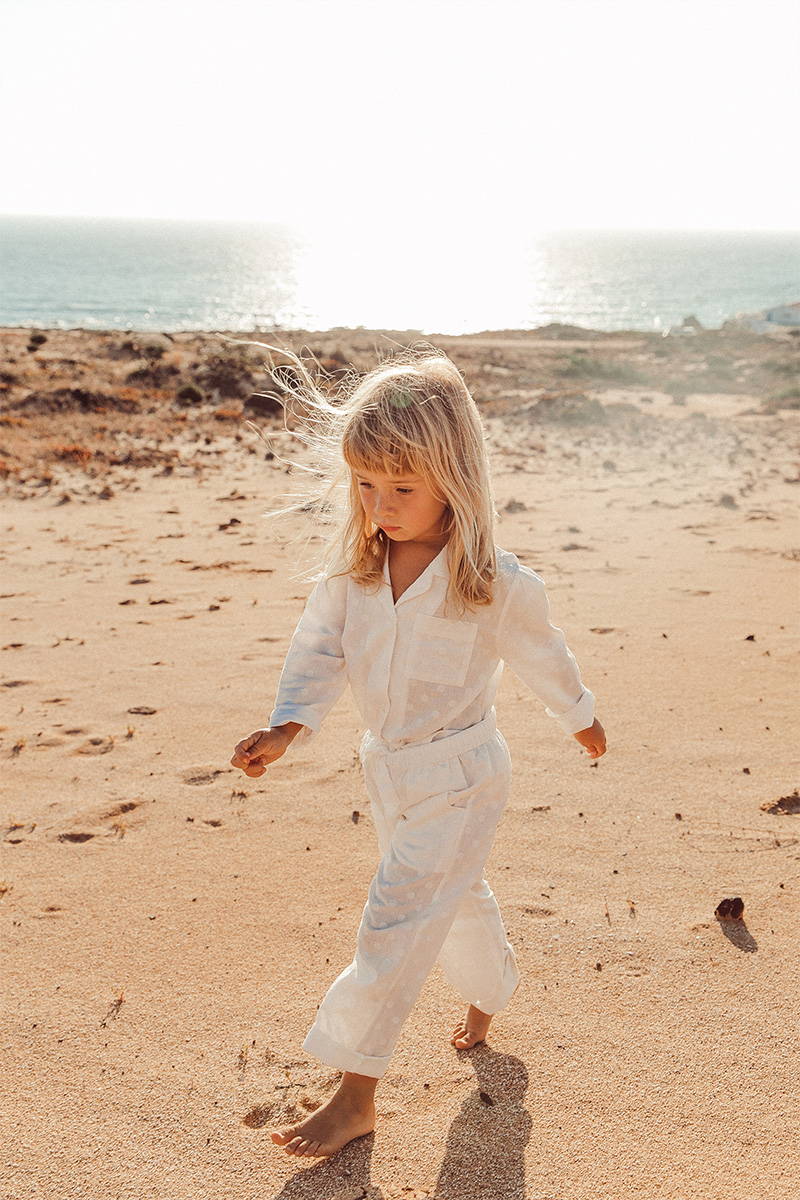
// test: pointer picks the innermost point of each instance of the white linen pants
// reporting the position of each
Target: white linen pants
(436, 806)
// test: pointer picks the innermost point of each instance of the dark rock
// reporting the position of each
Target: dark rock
(263, 404)
(74, 400)
(156, 376)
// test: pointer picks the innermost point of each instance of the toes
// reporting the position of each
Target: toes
(294, 1146)
(281, 1136)
(466, 1041)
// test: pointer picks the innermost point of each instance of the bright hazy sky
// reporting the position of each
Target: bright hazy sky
(570, 113)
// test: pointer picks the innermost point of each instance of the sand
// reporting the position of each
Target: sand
(169, 926)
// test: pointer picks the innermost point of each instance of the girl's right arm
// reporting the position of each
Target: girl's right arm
(313, 677)
(314, 673)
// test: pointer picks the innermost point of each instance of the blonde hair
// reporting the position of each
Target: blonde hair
(411, 414)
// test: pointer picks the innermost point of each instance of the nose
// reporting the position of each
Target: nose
(380, 509)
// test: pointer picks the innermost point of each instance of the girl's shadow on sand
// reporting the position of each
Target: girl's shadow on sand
(484, 1152)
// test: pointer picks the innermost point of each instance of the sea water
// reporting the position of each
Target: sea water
(103, 273)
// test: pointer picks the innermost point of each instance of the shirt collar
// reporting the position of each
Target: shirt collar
(437, 566)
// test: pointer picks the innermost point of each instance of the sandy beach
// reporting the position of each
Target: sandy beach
(169, 925)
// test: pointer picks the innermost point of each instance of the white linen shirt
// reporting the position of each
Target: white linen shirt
(417, 676)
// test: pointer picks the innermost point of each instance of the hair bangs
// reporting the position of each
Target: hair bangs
(370, 443)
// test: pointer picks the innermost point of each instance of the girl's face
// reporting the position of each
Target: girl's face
(402, 505)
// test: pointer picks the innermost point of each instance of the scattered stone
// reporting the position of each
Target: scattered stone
(730, 909)
(188, 395)
(785, 805)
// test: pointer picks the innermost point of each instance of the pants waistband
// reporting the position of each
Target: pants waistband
(433, 752)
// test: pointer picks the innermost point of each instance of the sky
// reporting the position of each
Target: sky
(336, 114)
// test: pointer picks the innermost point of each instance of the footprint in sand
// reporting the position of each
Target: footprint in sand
(95, 745)
(260, 1115)
(635, 968)
(96, 818)
(18, 829)
(199, 776)
(52, 910)
(117, 810)
(44, 743)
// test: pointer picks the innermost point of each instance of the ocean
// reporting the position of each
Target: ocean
(58, 272)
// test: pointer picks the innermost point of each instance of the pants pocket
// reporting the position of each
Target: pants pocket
(421, 783)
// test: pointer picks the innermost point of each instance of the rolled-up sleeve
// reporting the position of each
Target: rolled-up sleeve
(538, 654)
(314, 673)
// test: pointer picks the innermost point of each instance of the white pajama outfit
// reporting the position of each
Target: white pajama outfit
(437, 774)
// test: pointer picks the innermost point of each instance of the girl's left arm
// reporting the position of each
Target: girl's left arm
(537, 652)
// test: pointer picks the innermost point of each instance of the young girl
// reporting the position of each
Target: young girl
(417, 609)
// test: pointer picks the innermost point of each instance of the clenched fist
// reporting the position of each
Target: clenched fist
(593, 740)
(254, 753)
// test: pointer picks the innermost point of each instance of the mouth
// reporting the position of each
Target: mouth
(390, 528)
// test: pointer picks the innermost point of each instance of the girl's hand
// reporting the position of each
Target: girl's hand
(594, 739)
(255, 752)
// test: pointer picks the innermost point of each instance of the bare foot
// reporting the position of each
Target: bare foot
(343, 1118)
(471, 1030)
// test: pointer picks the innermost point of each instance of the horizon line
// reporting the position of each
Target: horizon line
(310, 224)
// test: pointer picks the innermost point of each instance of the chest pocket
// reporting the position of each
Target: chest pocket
(441, 650)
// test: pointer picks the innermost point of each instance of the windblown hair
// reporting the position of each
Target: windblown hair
(412, 414)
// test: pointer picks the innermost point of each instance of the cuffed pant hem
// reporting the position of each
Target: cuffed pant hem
(491, 1004)
(335, 1055)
